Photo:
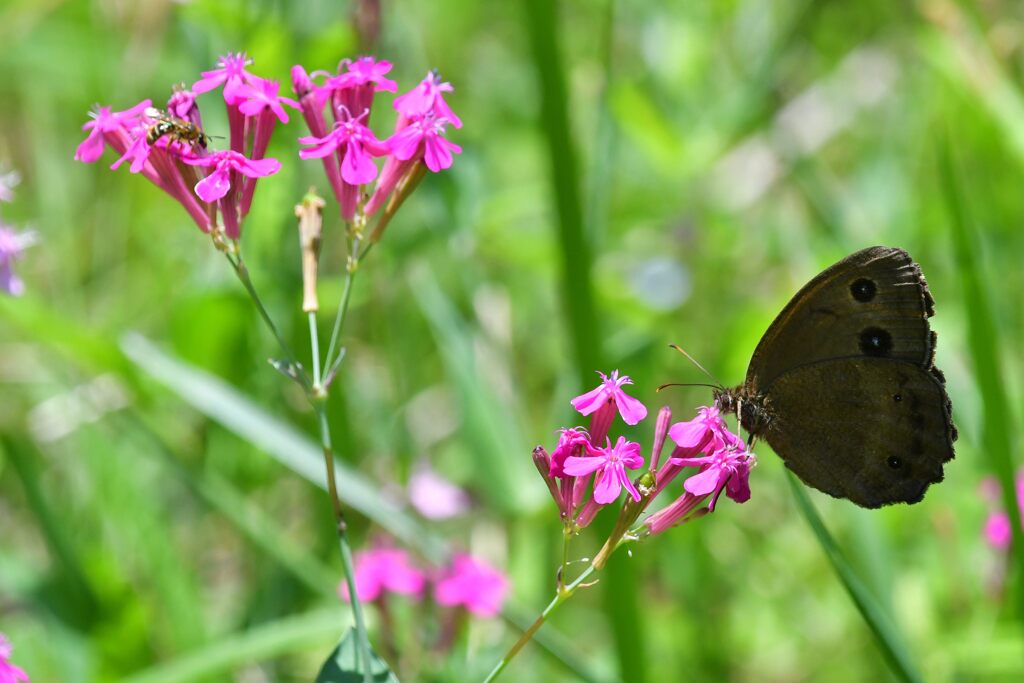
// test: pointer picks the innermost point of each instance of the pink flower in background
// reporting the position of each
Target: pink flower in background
(263, 95)
(998, 531)
(610, 390)
(216, 184)
(435, 497)
(472, 584)
(427, 98)
(231, 74)
(8, 672)
(609, 463)
(12, 244)
(364, 71)
(384, 570)
(106, 123)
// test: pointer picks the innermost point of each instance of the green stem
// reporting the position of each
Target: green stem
(314, 342)
(339, 317)
(362, 638)
(560, 596)
(243, 275)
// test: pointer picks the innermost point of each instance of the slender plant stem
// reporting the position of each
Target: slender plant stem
(314, 342)
(339, 317)
(362, 638)
(561, 596)
(316, 398)
(243, 275)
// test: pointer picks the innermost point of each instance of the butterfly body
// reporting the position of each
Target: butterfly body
(843, 384)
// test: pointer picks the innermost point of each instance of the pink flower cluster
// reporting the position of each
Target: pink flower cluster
(12, 242)
(347, 146)
(723, 463)
(466, 582)
(8, 672)
(170, 148)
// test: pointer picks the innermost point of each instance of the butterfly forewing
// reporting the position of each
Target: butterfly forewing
(876, 431)
(873, 303)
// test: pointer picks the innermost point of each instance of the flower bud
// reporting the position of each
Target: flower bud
(310, 214)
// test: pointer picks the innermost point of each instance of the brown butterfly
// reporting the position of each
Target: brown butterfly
(843, 384)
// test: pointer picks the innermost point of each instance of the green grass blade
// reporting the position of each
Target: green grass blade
(222, 403)
(273, 639)
(889, 640)
(982, 341)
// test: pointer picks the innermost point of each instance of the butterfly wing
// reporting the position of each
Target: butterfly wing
(873, 303)
(874, 430)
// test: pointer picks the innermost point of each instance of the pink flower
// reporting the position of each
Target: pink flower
(435, 497)
(998, 531)
(609, 463)
(216, 184)
(359, 144)
(232, 75)
(570, 441)
(427, 98)
(262, 95)
(8, 672)
(726, 468)
(384, 569)
(610, 390)
(699, 432)
(12, 244)
(471, 583)
(104, 124)
(182, 104)
(423, 138)
(364, 71)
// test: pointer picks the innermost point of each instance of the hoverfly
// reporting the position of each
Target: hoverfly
(176, 130)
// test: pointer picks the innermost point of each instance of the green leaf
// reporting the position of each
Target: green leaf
(343, 665)
(889, 640)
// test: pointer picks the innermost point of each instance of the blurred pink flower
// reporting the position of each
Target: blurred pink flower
(12, 244)
(471, 583)
(435, 497)
(610, 390)
(427, 98)
(384, 569)
(609, 463)
(8, 672)
(7, 182)
(998, 532)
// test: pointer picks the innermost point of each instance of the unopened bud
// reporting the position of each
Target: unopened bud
(543, 463)
(310, 214)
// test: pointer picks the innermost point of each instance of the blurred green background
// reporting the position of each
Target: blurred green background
(717, 155)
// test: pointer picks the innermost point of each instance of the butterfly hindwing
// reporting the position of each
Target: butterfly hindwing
(876, 431)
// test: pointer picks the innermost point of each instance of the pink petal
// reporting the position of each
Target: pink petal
(590, 401)
(436, 155)
(631, 410)
(357, 167)
(703, 483)
(91, 148)
(259, 168)
(690, 434)
(606, 487)
(625, 481)
(214, 186)
(575, 466)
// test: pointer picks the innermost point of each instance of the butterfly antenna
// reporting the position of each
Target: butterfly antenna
(716, 385)
(687, 384)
